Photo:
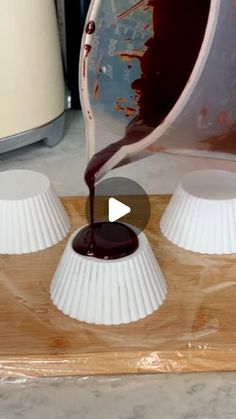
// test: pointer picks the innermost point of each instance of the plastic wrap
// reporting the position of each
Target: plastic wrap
(194, 329)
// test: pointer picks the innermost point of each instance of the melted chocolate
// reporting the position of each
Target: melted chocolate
(166, 65)
(90, 27)
(170, 56)
(104, 246)
(224, 143)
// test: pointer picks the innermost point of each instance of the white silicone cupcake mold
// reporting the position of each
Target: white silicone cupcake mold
(108, 292)
(32, 217)
(201, 215)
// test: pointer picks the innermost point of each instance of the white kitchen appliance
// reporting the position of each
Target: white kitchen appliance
(31, 74)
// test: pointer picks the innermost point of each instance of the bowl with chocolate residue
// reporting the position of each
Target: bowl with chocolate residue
(160, 76)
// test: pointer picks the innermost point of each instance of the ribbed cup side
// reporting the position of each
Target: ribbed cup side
(109, 292)
(200, 225)
(32, 224)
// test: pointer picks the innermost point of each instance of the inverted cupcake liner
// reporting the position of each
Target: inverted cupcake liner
(108, 292)
(32, 224)
(200, 224)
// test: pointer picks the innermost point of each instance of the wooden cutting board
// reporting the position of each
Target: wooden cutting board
(194, 330)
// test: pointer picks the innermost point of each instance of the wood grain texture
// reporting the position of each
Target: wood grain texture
(194, 330)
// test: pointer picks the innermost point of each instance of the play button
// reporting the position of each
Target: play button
(122, 199)
(117, 210)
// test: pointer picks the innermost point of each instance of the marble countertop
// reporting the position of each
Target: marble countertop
(164, 396)
(174, 396)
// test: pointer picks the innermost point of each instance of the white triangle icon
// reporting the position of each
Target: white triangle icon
(117, 210)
